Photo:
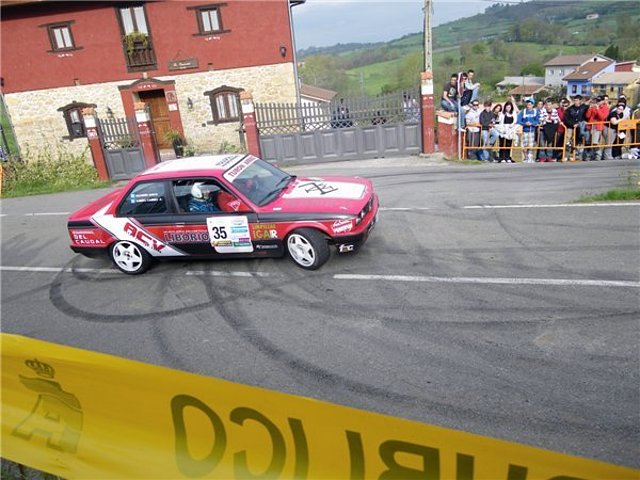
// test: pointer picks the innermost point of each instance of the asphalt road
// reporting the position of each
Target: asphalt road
(484, 301)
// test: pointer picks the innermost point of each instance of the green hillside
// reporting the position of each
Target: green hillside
(507, 39)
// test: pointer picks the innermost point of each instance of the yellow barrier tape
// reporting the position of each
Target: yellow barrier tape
(82, 414)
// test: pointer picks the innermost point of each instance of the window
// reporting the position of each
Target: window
(73, 118)
(209, 19)
(225, 104)
(147, 198)
(574, 89)
(201, 195)
(60, 36)
(133, 20)
(551, 71)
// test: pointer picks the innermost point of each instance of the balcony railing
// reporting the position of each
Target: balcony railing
(140, 55)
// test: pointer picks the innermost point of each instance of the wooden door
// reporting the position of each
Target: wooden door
(159, 115)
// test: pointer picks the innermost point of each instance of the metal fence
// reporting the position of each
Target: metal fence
(117, 133)
(587, 141)
(287, 118)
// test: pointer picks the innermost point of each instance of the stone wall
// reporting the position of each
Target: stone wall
(38, 125)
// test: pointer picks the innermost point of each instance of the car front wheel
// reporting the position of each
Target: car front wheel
(308, 248)
(130, 258)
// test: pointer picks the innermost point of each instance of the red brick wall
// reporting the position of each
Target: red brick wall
(257, 30)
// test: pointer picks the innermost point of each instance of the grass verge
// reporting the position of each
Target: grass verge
(48, 171)
(627, 193)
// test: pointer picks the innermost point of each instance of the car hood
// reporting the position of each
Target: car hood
(332, 194)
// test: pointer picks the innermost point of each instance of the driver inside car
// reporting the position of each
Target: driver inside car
(203, 198)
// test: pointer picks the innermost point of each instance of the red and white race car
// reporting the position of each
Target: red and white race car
(225, 206)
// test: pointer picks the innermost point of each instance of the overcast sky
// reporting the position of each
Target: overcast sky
(320, 23)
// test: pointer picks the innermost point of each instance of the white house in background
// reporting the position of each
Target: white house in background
(311, 95)
(559, 67)
(511, 82)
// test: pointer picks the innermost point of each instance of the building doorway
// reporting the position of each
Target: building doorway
(159, 112)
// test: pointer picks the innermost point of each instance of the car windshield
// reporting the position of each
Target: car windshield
(257, 180)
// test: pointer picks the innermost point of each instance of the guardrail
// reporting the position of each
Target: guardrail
(586, 141)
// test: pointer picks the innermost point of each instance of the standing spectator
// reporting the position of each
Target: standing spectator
(539, 107)
(506, 127)
(573, 117)
(627, 109)
(473, 131)
(410, 108)
(558, 154)
(450, 100)
(341, 116)
(528, 119)
(471, 90)
(549, 121)
(489, 137)
(596, 115)
(635, 151)
(614, 117)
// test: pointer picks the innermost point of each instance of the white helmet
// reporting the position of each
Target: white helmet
(196, 190)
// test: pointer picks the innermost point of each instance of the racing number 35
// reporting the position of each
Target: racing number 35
(218, 233)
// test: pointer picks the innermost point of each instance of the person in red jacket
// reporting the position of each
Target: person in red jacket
(560, 138)
(596, 115)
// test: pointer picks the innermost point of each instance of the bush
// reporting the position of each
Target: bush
(50, 170)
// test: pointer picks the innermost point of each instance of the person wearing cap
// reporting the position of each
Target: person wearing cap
(596, 117)
(528, 118)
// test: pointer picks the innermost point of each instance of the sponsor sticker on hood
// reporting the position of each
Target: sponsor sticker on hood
(318, 188)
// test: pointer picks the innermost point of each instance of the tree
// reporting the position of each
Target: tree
(613, 52)
(535, 69)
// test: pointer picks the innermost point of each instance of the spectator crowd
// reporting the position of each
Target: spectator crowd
(549, 130)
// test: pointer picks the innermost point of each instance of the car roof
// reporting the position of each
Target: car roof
(188, 164)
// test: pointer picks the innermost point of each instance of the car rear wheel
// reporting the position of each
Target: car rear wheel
(130, 258)
(308, 248)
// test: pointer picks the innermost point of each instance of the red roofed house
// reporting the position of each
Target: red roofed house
(580, 81)
(187, 61)
(558, 67)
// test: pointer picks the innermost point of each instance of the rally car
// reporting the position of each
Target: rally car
(225, 206)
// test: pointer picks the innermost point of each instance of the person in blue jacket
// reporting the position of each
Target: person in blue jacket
(202, 198)
(529, 119)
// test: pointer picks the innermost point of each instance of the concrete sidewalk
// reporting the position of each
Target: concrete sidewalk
(436, 159)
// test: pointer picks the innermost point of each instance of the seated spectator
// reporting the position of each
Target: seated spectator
(450, 100)
(471, 90)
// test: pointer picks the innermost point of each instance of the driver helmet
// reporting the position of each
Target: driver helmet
(200, 190)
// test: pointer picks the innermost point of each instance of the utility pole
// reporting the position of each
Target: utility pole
(426, 85)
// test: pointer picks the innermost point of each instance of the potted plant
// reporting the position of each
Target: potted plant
(132, 39)
(174, 137)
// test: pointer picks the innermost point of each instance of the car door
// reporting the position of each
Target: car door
(209, 220)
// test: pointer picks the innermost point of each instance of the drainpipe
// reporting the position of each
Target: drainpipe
(294, 3)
